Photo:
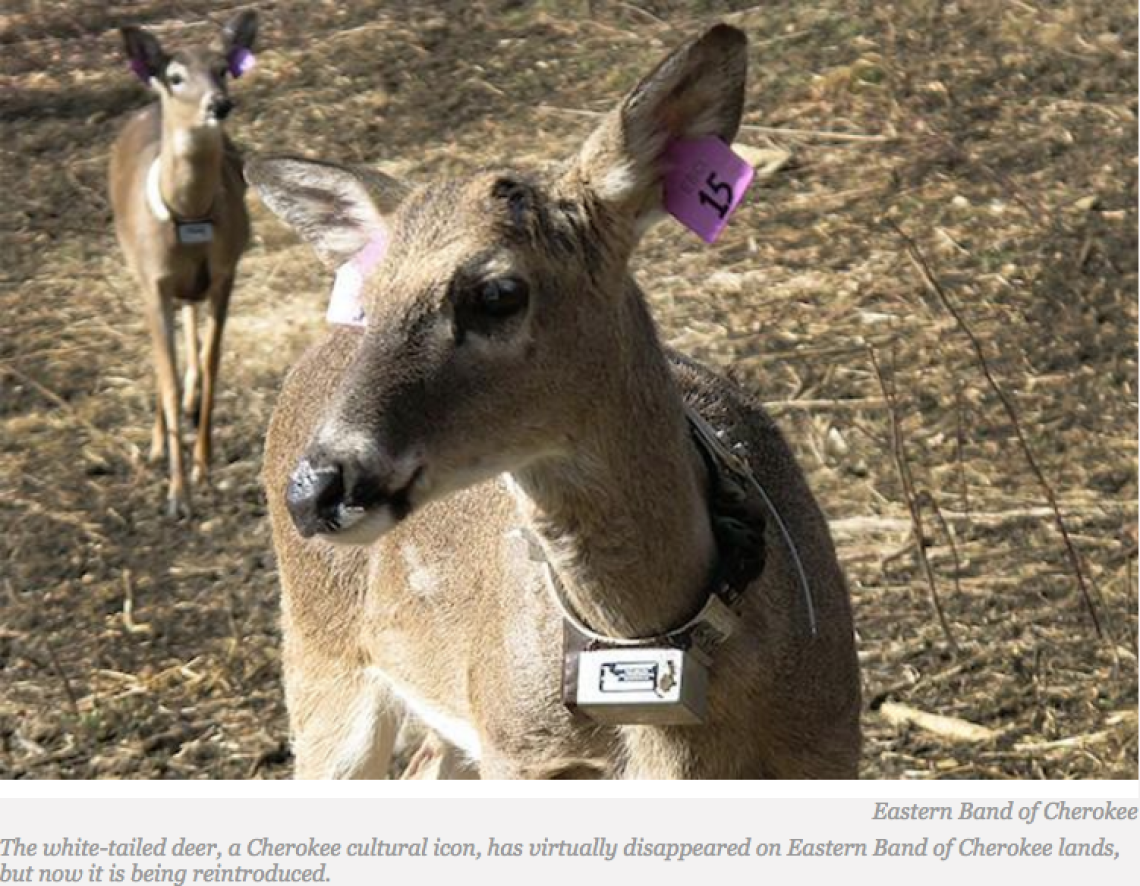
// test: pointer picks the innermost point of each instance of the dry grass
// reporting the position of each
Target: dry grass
(994, 140)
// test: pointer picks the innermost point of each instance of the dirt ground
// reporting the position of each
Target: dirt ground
(949, 189)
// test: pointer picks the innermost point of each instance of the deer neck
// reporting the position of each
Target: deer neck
(190, 168)
(623, 518)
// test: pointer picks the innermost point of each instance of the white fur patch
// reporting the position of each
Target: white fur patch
(346, 441)
(421, 579)
(456, 730)
(346, 237)
(154, 193)
(184, 139)
(620, 182)
(509, 484)
(359, 527)
(355, 752)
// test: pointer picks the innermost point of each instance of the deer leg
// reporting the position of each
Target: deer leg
(344, 723)
(160, 320)
(190, 381)
(211, 359)
(158, 432)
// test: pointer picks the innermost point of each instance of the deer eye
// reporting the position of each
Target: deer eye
(500, 298)
(175, 79)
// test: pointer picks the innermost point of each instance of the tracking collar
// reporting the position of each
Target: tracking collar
(740, 553)
(663, 680)
(188, 231)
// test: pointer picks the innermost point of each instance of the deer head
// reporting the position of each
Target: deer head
(502, 321)
(192, 83)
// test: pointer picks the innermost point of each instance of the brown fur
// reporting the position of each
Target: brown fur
(576, 400)
(200, 178)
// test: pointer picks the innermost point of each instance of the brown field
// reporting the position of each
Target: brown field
(949, 187)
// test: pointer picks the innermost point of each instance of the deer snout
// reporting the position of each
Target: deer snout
(313, 496)
(220, 106)
(346, 500)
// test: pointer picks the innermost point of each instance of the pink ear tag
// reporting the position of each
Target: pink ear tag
(346, 304)
(241, 62)
(704, 183)
(140, 69)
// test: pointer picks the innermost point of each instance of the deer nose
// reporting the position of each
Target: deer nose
(220, 106)
(332, 492)
(314, 497)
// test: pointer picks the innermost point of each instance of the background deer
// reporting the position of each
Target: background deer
(178, 198)
(510, 378)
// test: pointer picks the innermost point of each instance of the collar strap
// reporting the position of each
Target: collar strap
(724, 459)
(718, 617)
(158, 207)
(714, 624)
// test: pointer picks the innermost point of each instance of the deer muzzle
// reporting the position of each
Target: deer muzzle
(346, 501)
(220, 106)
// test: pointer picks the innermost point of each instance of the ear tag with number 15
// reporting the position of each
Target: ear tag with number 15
(704, 183)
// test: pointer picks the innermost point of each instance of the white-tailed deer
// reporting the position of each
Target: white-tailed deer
(505, 449)
(179, 203)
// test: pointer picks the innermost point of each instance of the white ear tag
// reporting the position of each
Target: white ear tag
(346, 304)
(346, 307)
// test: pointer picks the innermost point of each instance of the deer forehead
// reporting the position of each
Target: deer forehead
(495, 221)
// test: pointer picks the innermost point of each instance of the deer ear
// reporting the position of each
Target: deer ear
(240, 31)
(145, 52)
(336, 209)
(696, 91)
(237, 42)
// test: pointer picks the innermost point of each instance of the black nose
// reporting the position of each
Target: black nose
(220, 106)
(314, 496)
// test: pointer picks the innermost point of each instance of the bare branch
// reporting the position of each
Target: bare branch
(907, 482)
(936, 288)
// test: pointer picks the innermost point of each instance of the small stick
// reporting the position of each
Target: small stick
(1128, 594)
(114, 442)
(852, 403)
(646, 14)
(575, 111)
(951, 728)
(72, 701)
(960, 445)
(827, 134)
(949, 533)
(922, 680)
(1075, 741)
(907, 482)
(129, 622)
(867, 525)
(936, 288)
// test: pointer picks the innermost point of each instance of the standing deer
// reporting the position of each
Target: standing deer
(178, 198)
(510, 380)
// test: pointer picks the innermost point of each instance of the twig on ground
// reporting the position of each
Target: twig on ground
(949, 533)
(72, 701)
(867, 525)
(825, 134)
(950, 728)
(644, 13)
(936, 289)
(960, 445)
(907, 482)
(132, 626)
(114, 443)
(828, 405)
(1126, 720)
